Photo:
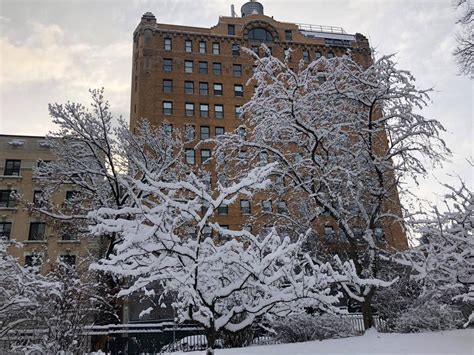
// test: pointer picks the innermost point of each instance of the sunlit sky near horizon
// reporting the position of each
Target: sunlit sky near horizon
(54, 51)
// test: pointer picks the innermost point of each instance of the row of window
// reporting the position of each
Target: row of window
(245, 207)
(330, 234)
(204, 109)
(35, 260)
(203, 67)
(12, 166)
(7, 199)
(36, 232)
(218, 88)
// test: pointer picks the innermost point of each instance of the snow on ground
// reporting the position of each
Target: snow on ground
(455, 342)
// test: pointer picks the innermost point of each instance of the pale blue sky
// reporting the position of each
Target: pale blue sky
(53, 51)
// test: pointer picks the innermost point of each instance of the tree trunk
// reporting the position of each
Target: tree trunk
(367, 315)
(211, 336)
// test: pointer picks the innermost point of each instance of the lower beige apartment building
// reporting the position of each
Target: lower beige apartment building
(43, 240)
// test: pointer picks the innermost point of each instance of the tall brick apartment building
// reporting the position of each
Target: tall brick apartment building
(194, 79)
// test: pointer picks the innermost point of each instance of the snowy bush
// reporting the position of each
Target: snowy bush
(429, 316)
(306, 327)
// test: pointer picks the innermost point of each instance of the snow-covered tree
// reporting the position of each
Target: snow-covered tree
(222, 279)
(443, 262)
(344, 138)
(464, 52)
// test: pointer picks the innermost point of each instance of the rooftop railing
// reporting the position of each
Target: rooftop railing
(320, 28)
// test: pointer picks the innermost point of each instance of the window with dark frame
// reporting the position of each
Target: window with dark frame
(217, 68)
(379, 234)
(205, 156)
(6, 199)
(189, 87)
(37, 231)
(216, 48)
(218, 89)
(203, 88)
(223, 209)
(167, 85)
(5, 230)
(190, 132)
(235, 49)
(237, 111)
(328, 233)
(237, 70)
(219, 131)
(330, 55)
(318, 55)
(202, 67)
(168, 44)
(245, 206)
(32, 260)
(69, 260)
(207, 232)
(189, 109)
(282, 207)
(205, 132)
(167, 65)
(288, 35)
(188, 66)
(238, 90)
(12, 167)
(168, 129)
(260, 34)
(202, 47)
(188, 46)
(167, 108)
(204, 110)
(231, 30)
(190, 156)
(267, 206)
(306, 56)
(218, 111)
(242, 133)
(38, 198)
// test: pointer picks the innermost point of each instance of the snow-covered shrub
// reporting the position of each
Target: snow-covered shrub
(429, 316)
(306, 327)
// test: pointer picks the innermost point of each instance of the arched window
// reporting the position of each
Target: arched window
(260, 34)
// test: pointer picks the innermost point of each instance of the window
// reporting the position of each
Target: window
(167, 65)
(222, 179)
(242, 154)
(202, 47)
(255, 49)
(239, 90)
(71, 195)
(288, 35)
(264, 157)
(218, 89)
(216, 49)
(6, 199)
(167, 108)
(282, 207)
(188, 66)
(245, 206)
(207, 232)
(223, 209)
(247, 228)
(168, 129)
(242, 133)
(32, 260)
(219, 131)
(12, 167)
(306, 56)
(217, 68)
(167, 85)
(191, 231)
(235, 49)
(260, 34)
(379, 234)
(189, 87)
(237, 111)
(42, 163)
(69, 260)
(205, 156)
(203, 88)
(69, 235)
(38, 198)
(202, 67)
(188, 46)
(189, 109)
(237, 70)
(219, 111)
(168, 44)
(204, 110)
(190, 156)
(318, 55)
(280, 181)
(5, 230)
(328, 233)
(330, 55)
(205, 132)
(190, 132)
(267, 206)
(231, 30)
(37, 230)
